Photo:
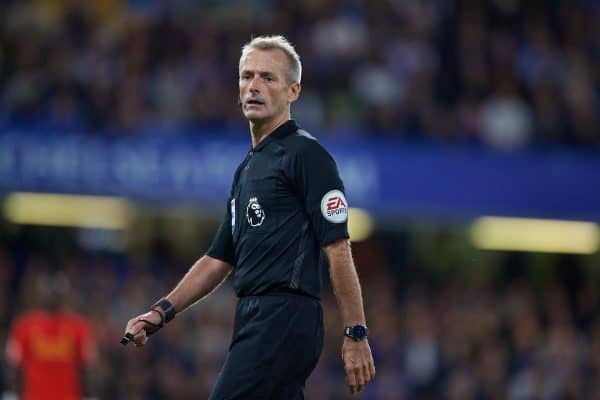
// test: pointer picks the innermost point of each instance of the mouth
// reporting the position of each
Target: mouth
(254, 102)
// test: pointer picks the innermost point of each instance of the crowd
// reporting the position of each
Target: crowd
(503, 73)
(461, 334)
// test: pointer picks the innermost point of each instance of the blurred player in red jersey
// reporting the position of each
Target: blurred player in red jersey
(50, 349)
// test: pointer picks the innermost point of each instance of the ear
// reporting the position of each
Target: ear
(294, 92)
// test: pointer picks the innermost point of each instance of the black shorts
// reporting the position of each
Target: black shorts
(277, 341)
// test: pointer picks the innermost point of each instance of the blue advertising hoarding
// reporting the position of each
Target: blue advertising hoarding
(389, 179)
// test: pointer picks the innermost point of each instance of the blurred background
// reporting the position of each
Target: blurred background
(467, 133)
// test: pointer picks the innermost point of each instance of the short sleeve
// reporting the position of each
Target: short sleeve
(222, 245)
(316, 180)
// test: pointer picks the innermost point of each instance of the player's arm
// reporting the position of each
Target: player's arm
(202, 278)
(357, 357)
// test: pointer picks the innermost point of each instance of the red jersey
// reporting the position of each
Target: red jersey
(50, 350)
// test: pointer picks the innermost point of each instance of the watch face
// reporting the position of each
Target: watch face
(359, 331)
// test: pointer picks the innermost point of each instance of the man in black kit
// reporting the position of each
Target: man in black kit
(286, 209)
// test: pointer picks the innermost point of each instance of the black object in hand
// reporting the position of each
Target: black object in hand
(126, 339)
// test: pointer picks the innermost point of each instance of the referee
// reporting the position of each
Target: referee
(286, 210)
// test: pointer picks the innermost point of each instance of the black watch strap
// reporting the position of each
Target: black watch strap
(168, 311)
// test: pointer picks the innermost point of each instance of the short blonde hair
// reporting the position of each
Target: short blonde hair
(276, 42)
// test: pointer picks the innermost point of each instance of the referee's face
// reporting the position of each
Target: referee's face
(265, 92)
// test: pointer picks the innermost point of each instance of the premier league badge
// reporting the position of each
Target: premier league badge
(254, 212)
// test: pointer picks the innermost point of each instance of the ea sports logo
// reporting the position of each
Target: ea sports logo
(334, 206)
(254, 212)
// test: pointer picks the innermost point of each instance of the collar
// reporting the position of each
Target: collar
(285, 129)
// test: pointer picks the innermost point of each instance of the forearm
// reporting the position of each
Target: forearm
(345, 283)
(202, 278)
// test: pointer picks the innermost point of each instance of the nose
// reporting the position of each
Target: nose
(253, 85)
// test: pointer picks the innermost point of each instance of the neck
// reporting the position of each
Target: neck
(259, 130)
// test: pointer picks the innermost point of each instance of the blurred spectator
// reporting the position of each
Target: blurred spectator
(505, 118)
(503, 73)
(49, 350)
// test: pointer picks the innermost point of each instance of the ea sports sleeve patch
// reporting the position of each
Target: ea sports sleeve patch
(334, 206)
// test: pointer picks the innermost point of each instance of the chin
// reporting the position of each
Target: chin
(255, 116)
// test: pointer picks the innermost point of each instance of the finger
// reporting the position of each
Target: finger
(358, 388)
(139, 337)
(372, 368)
(130, 325)
(142, 342)
(350, 378)
(358, 372)
(360, 379)
(367, 373)
(135, 327)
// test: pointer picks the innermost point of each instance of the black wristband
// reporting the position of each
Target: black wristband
(167, 308)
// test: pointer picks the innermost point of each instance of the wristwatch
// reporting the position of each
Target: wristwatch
(356, 332)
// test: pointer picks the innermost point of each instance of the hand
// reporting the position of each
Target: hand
(143, 326)
(358, 364)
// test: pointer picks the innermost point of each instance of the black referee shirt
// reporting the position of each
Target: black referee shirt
(286, 202)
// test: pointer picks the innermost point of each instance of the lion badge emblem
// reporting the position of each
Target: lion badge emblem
(254, 212)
